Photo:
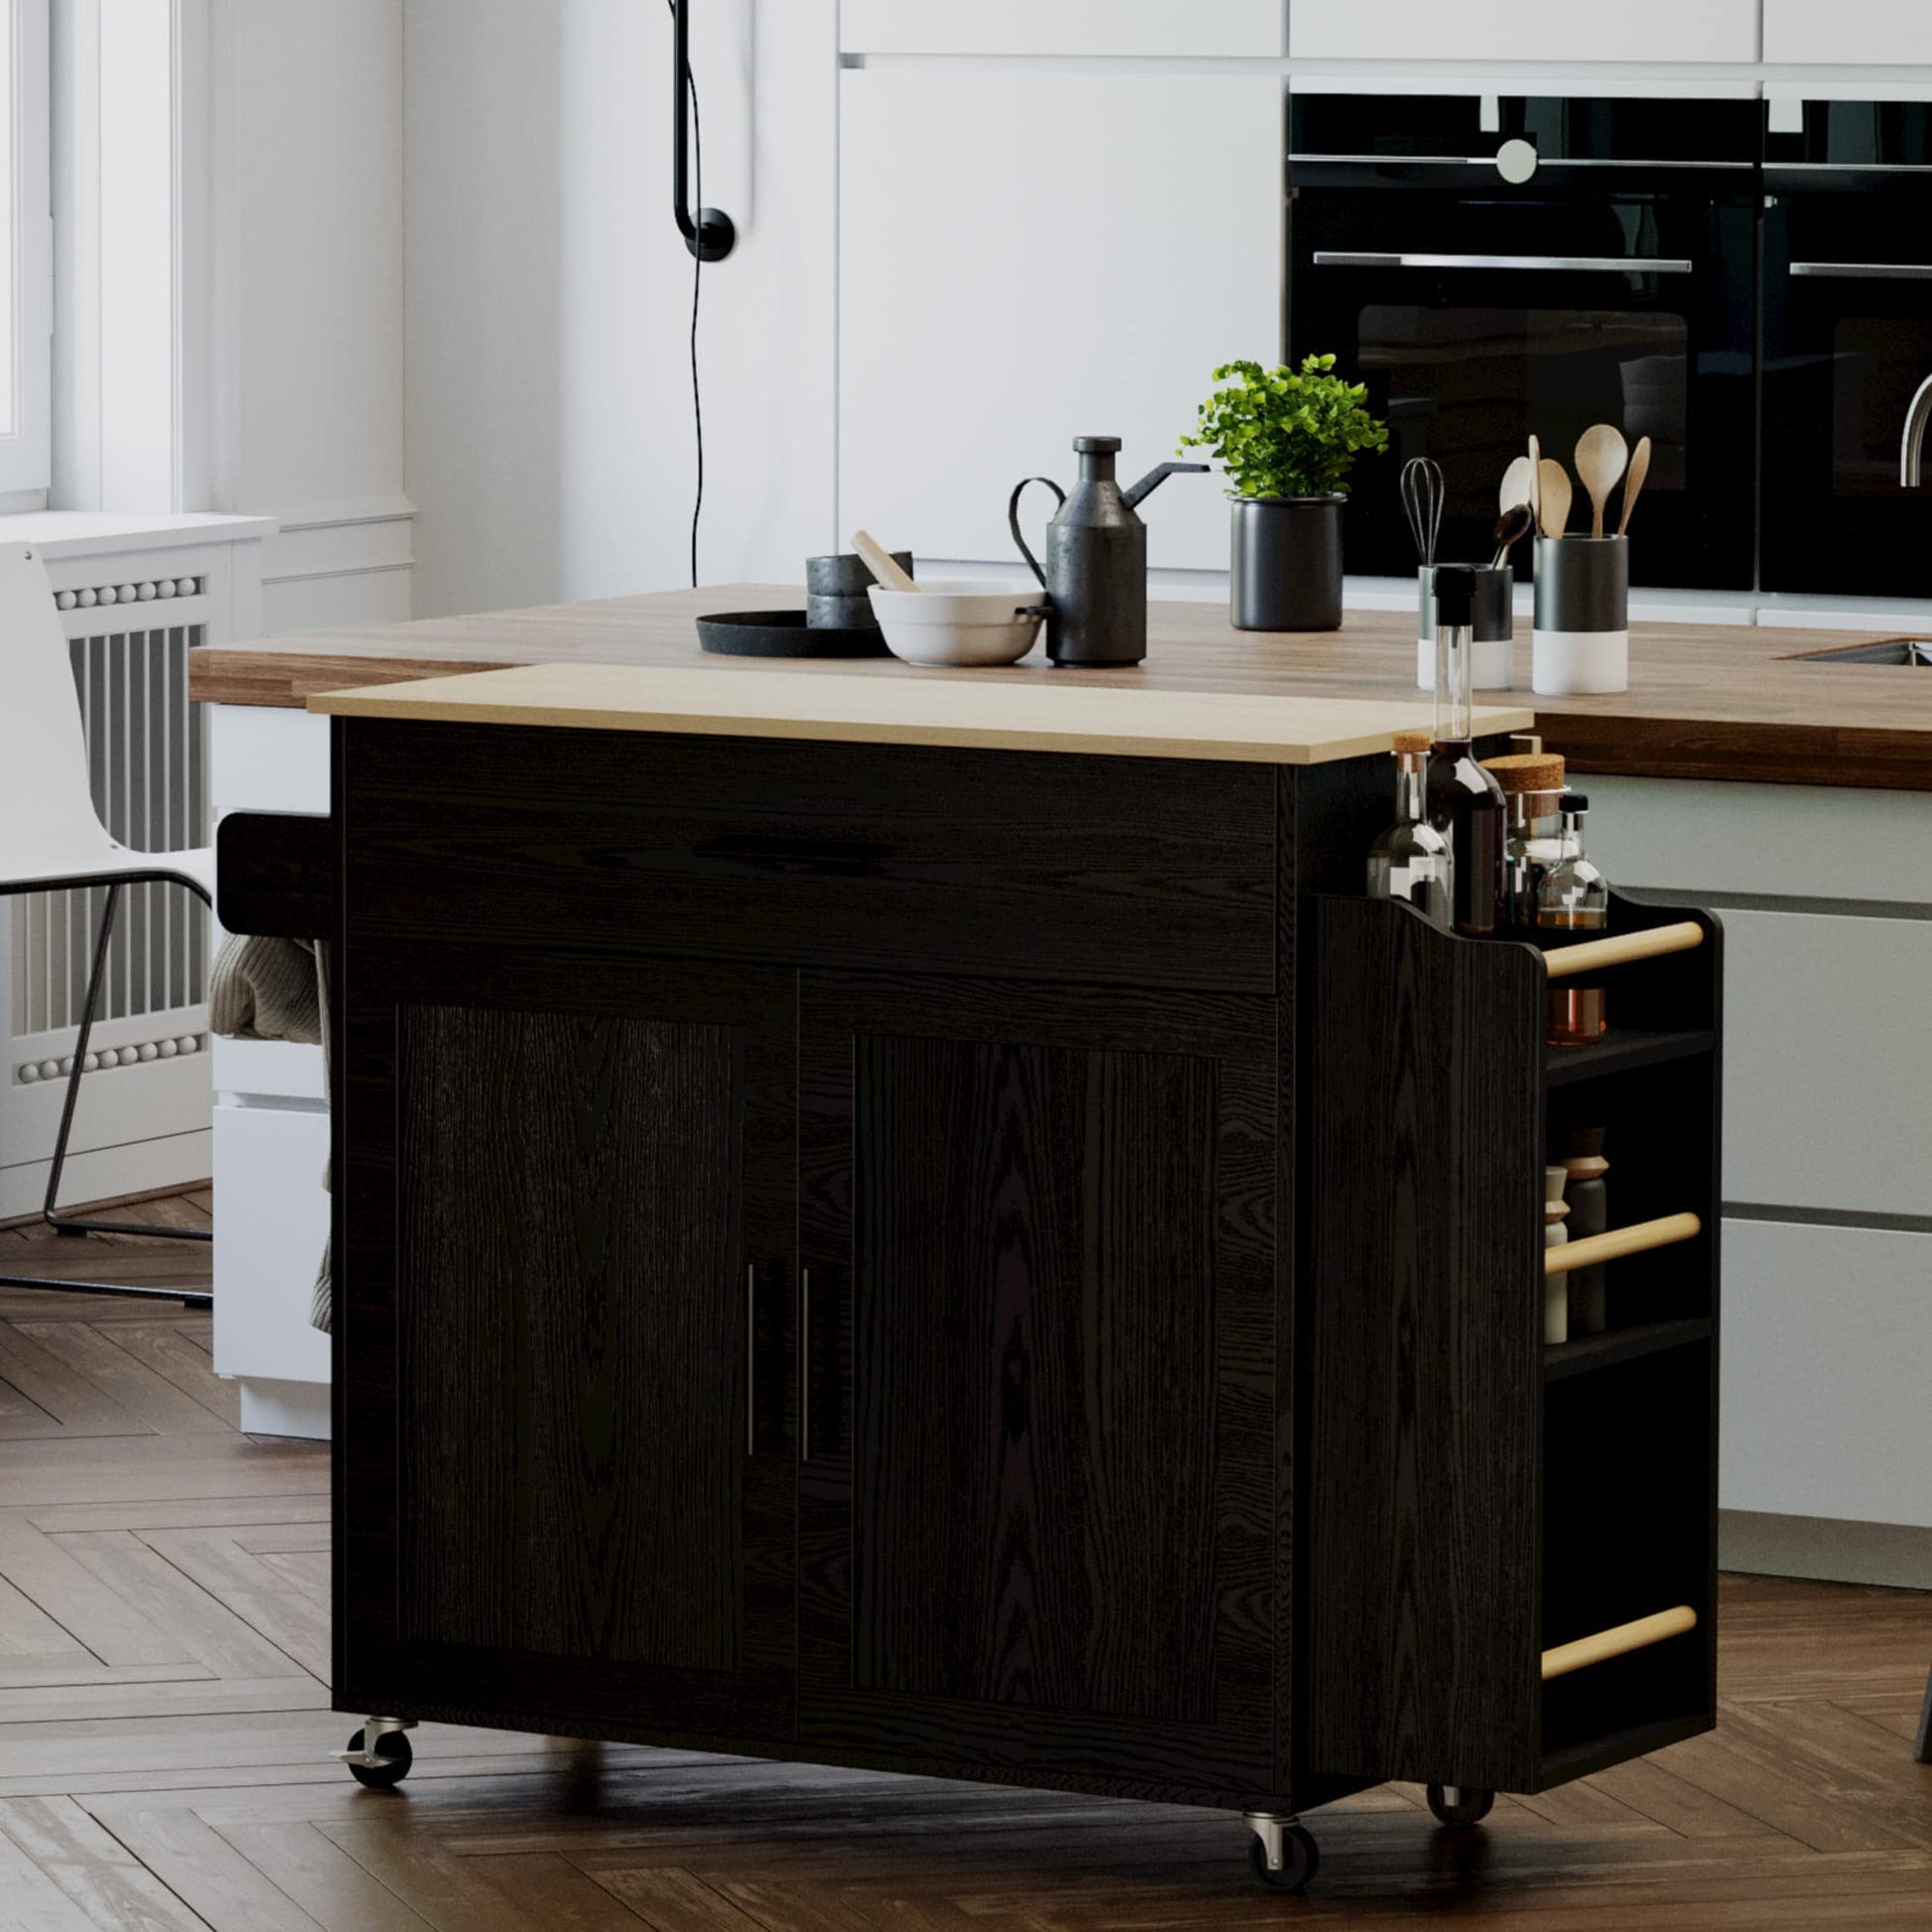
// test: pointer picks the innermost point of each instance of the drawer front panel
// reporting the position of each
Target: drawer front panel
(1129, 870)
(1827, 1334)
(268, 1241)
(1827, 1068)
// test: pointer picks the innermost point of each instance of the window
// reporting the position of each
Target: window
(26, 254)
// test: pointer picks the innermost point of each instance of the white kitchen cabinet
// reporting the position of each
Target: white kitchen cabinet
(1029, 255)
(1878, 33)
(1498, 30)
(1226, 27)
(1827, 1334)
(271, 1124)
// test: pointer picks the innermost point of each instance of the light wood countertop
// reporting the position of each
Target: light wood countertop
(1706, 701)
(931, 707)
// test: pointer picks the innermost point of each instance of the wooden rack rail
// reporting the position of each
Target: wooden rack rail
(1617, 1641)
(1638, 1237)
(1593, 955)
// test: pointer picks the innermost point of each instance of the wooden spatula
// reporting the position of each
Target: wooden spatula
(1601, 454)
(880, 562)
(1515, 486)
(1554, 493)
(1634, 483)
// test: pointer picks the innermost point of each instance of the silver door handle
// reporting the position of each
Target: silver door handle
(804, 1364)
(1589, 264)
(750, 1357)
(1865, 271)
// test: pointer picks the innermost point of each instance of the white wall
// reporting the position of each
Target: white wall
(550, 440)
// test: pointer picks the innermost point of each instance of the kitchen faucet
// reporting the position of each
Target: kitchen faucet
(1911, 448)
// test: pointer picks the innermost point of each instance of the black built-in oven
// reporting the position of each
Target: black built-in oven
(1848, 339)
(1497, 267)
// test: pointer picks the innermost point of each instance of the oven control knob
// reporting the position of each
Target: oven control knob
(1516, 160)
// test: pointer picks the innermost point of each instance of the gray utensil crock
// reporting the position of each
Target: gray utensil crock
(1583, 615)
(847, 574)
(1287, 563)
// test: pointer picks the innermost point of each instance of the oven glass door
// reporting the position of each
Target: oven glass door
(1848, 340)
(1476, 321)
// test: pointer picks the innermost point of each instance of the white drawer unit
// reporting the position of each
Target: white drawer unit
(1112, 236)
(1874, 32)
(1144, 26)
(1660, 31)
(1828, 1070)
(1827, 1335)
(271, 1124)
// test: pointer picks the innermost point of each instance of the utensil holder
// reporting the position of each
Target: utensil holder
(1583, 615)
(1493, 652)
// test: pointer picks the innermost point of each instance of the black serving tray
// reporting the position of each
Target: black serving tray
(783, 634)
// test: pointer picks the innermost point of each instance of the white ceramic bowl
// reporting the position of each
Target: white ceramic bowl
(958, 623)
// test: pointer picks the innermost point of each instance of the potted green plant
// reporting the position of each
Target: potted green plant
(1288, 439)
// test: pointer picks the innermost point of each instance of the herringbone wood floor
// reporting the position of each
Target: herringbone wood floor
(164, 1725)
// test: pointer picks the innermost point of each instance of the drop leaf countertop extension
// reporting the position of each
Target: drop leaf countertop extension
(1063, 714)
(1706, 701)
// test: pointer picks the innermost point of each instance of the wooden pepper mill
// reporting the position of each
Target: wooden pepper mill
(1555, 1291)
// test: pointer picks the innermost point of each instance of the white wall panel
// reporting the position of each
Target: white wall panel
(1027, 256)
(1224, 27)
(1827, 1339)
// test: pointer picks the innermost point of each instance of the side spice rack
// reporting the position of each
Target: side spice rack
(1510, 1546)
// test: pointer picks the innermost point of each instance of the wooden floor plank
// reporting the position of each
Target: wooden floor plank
(309, 1868)
(448, 1893)
(80, 1406)
(291, 1616)
(299, 1513)
(103, 1356)
(113, 1889)
(176, 1360)
(73, 1597)
(201, 1869)
(550, 1888)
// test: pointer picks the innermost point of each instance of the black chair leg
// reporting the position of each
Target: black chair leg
(65, 1224)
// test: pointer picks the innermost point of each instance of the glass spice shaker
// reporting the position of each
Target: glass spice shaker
(1532, 785)
(1573, 901)
(1412, 860)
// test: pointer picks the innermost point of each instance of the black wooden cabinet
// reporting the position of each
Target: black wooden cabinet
(1039, 1486)
(571, 1243)
(982, 1263)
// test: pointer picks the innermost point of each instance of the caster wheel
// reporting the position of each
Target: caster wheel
(1299, 1857)
(395, 1747)
(1460, 1804)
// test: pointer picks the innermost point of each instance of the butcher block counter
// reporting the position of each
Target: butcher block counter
(1706, 701)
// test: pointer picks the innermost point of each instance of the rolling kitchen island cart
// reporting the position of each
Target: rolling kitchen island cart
(927, 1225)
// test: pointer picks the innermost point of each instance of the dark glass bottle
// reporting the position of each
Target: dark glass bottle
(1465, 803)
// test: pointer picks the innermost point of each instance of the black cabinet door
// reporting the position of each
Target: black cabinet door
(1038, 1503)
(568, 1311)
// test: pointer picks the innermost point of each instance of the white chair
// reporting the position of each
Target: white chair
(52, 839)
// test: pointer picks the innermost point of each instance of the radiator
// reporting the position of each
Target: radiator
(146, 754)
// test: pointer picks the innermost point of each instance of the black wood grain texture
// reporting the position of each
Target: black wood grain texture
(1423, 1228)
(277, 874)
(573, 1333)
(1011, 864)
(553, 1193)
(1050, 1218)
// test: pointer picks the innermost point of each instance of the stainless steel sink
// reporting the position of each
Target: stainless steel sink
(1895, 650)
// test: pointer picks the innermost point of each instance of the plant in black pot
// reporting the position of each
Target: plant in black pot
(1288, 439)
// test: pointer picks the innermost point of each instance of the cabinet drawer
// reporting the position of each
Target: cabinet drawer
(1493, 30)
(1132, 871)
(1827, 1333)
(268, 1241)
(1831, 1063)
(1144, 27)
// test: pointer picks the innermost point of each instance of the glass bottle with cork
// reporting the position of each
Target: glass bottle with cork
(1412, 860)
(1532, 785)
(1464, 802)
(1573, 903)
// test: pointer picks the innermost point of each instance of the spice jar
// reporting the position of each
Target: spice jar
(1532, 786)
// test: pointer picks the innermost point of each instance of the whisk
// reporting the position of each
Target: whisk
(1422, 505)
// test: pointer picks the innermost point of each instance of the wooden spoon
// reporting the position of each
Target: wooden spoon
(1554, 493)
(1515, 486)
(1512, 526)
(880, 562)
(1634, 483)
(1536, 480)
(1601, 454)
